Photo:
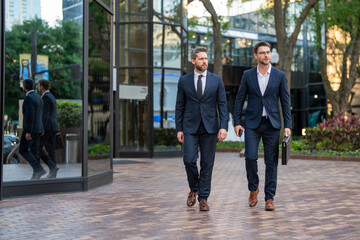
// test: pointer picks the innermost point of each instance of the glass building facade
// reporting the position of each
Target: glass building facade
(308, 98)
(76, 57)
(150, 56)
(113, 68)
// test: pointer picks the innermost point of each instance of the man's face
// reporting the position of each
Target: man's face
(263, 55)
(201, 61)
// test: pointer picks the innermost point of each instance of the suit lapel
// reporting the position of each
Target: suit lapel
(256, 81)
(191, 84)
(208, 83)
(272, 73)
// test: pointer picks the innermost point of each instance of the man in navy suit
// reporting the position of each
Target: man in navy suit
(264, 86)
(32, 110)
(201, 95)
(51, 127)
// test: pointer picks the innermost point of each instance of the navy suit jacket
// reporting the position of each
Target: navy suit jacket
(32, 110)
(276, 89)
(49, 113)
(191, 110)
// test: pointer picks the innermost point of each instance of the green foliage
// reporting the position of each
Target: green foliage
(69, 114)
(62, 44)
(227, 144)
(341, 133)
(298, 145)
(98, 150)
(343, 14)
(166, 136)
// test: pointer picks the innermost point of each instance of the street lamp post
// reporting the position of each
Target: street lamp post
(33, 55)
(34, 52)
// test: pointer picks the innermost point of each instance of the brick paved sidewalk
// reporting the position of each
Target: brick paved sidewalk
(147, 200)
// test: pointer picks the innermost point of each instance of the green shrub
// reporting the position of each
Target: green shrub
(341, 133)
(298, 145)
(228, 144)
(166, 136)
(69, 114)
(98, 150)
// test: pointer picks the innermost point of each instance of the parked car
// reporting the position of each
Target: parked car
(10, 142)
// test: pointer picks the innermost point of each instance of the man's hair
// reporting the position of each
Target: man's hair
(196, 50)
(261, 44)
(28, 84)
(44, 83)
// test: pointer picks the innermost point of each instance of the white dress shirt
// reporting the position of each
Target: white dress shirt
(44, 93)
(263, 82)
(29, 92)
(203, 80)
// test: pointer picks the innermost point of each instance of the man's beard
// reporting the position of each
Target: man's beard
(201, 68)
(264, 63)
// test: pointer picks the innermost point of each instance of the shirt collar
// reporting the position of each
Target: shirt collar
(45, 92)
(29, 92)
(197, 74)
(267, 72)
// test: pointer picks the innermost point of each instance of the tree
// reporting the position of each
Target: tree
(341, 53)
(62, 44)
(286, 42)
(216, 27)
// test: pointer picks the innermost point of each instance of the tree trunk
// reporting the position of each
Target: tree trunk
(218, 67)
(286, 45)
(339, 99)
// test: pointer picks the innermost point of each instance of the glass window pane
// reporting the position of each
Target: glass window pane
(167, 11)
(164, 110)
(134, 45)
(157, 41)
(134, 10)
(172, 48)
(58, 46)
(134, 106)
(99, 89)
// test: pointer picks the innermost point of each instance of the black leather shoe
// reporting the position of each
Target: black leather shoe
(37, 175)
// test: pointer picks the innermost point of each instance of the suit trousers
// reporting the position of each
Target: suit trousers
(270, 138)
(30, 151)
(48, 140)
(200, 183)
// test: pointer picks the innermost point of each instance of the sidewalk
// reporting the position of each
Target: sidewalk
(147, 200)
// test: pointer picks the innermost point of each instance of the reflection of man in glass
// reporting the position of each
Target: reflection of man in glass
(50, 128)
(32, 110)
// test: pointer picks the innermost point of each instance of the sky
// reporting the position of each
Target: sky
(51, 10)
(196, 8)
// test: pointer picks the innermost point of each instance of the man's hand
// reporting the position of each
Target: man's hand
(28, 136)
(180, 136)
(237, 130)
(287, 132)
(222, 134)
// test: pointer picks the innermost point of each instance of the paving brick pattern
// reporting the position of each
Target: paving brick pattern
(147, 200)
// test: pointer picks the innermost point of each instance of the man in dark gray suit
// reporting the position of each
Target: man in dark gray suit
(32, 110)
(201, 95)
(51, 127)
(264, 86)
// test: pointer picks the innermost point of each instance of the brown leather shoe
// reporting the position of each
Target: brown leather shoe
(269, 205)
(191, 199)
(253, 198)
(203, 205)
